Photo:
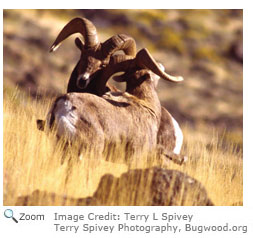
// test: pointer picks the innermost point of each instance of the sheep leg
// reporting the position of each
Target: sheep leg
(176, 158)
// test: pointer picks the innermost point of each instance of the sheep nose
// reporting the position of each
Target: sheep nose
(83, 80)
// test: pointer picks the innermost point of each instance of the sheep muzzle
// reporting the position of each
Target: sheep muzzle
(83, 80)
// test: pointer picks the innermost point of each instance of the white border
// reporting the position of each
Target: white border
(236, 215)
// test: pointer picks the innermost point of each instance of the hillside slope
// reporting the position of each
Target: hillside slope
(204, 46)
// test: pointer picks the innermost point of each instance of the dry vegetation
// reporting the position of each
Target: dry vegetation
(210, 110)
(33, 161)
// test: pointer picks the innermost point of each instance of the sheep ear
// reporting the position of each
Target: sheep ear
(79, 43)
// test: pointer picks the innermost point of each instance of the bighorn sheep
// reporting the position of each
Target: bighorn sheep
(116, 117)
(94, 54)
(89, 71)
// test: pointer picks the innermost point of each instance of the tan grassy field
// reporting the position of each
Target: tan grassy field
(33, 161)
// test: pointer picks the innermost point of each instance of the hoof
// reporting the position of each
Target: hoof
(41, 125)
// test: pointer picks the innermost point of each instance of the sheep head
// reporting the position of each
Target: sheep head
(94, 55)
(134, 69)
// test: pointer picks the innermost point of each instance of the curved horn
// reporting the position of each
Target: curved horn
(124, 63)
(78, 25)
(145, 60)
(119, 42)
(118, 63)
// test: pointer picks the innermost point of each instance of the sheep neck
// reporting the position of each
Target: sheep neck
(146, 91)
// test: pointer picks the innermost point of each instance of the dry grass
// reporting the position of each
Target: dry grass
(32, 160)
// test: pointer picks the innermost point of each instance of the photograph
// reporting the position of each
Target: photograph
(122, 107)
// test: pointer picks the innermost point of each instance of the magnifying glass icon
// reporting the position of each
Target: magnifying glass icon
(8, 213)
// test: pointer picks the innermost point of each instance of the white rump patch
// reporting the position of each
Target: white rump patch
(179, 136)
(65, 118)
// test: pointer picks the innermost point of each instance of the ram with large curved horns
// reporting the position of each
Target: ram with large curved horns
(94, 55)
(132, 117)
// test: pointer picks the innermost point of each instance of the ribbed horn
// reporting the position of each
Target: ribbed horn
(119, 42)
(78, 25)
(118, 63)
(145, 60)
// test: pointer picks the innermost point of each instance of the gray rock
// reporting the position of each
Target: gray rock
(146, 187)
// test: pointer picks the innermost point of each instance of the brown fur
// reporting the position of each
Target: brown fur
(166, 134)
(93, 61)
(117, 118)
